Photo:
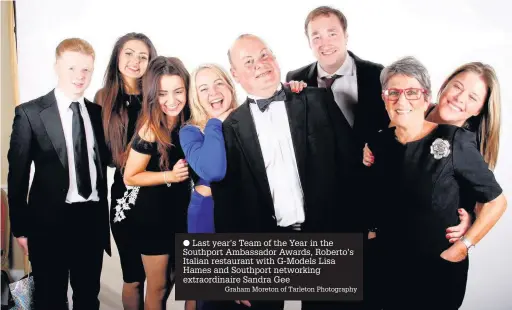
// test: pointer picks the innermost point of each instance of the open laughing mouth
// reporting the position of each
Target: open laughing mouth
(216, 103)
(328, 52)
(403, 111)
(133, 70)
(264, 74)
(455, 107)
(171, 108)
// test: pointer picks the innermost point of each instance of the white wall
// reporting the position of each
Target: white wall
(441, 34)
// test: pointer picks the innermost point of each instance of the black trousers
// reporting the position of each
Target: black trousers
(373, 280)
(69, 249)
(424, 283)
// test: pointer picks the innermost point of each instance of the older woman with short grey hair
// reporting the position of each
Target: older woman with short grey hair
(425, 172)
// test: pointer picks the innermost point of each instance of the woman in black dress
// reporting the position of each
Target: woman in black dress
(425, 172)
(121, 99)
(470, 98)
(157, 170)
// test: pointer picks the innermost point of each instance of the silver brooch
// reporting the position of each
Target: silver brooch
(440, 148)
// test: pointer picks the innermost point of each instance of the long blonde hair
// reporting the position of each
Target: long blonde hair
(199, 117)
(487, 123)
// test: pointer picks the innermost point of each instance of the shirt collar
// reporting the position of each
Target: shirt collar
(64, 102)
(279, 87)
(347, 68)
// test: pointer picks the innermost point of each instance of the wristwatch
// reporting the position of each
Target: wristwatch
(467, 243)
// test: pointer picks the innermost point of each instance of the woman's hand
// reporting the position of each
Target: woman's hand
(224, 115)
(368, 158)
(297, 86)
(455, 253)
(455, 232)
(179, 172)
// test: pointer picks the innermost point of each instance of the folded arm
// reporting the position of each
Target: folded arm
(206, 153)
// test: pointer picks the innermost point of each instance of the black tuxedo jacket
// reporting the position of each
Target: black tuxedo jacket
(370, 114)
(38, 137)
(321, 139)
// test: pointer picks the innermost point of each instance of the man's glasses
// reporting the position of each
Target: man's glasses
(394, 94)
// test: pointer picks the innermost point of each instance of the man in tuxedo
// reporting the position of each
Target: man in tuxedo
(357, 90)
(288, 156)
(63, 226)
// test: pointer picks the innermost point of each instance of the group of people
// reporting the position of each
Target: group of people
(345, 145)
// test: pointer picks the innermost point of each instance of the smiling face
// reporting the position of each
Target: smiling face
(328, 41)
(133, 59)
(74, 71)
(172, 95)
(405, 112)
(254, 67)
(215, 95)
(464, 96)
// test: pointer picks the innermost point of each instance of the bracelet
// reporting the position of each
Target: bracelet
(165, 179)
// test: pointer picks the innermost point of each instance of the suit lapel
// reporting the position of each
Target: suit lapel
(312, 77)
(96, 127)
(247, 138)
(50, 117)
(362, 90)
(296, 110)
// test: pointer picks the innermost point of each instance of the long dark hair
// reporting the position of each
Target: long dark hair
(115, 114)
(152, 118)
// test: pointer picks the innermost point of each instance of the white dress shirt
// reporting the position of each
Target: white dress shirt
(276, 144)
(344, 88)
(66, 117)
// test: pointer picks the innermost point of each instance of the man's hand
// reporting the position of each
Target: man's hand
(22, 241)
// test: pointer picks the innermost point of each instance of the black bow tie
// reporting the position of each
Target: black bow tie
(279, 95)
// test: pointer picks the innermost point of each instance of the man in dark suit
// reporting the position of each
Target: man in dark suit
(357, 90)
(64, 224)
(288, 156)
(355, 83)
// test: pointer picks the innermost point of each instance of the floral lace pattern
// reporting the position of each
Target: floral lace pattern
(123, 204)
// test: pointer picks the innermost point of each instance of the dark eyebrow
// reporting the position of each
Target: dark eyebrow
(134, 51)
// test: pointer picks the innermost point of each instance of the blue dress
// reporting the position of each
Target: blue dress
(206, 155)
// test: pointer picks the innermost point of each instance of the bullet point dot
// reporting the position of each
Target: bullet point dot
(186, 243)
